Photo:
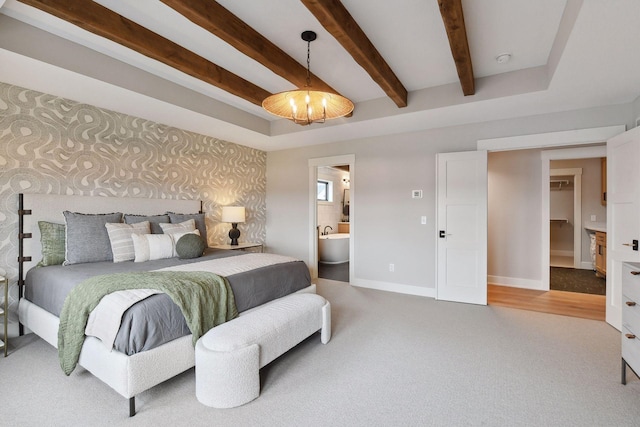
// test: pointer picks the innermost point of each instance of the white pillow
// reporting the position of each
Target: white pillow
(153, 246)
(149, 247)
(181, 227)
(120, 238)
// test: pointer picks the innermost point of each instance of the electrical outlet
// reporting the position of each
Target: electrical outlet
(392, 267)
(593, 218)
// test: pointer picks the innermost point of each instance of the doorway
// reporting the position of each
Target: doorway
(332, 222)
(525, 249)
(589, 210)
(517, 205)
(342, 213)
(565, 213)
(576, 212)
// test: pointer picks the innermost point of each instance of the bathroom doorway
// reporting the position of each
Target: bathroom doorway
(333, 225)
(332, 217)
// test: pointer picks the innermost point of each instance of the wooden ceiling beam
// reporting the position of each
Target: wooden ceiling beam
(99, 20)
(453, 18)
(220, 22)
(337, 20)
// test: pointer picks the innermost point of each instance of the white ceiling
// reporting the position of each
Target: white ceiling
(566, 54)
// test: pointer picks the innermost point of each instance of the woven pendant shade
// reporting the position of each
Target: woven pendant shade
(321, 106)
(305, 106)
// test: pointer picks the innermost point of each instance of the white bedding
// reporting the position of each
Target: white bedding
(233, 265)
(104, 321)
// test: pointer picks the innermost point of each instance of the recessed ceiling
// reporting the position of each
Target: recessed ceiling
(565, 55)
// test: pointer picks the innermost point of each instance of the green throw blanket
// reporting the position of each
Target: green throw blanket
(206, 300)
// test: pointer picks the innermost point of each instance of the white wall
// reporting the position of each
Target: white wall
(387, 220)
(514, 246)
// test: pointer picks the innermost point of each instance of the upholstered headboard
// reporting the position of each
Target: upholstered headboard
(49, 207)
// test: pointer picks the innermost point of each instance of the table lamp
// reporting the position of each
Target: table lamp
(234, 215)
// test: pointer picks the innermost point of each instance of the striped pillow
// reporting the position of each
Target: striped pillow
(182, 227)
(121, 241)
(150, 247)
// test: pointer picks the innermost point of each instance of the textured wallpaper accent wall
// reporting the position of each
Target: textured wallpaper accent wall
(52, 145)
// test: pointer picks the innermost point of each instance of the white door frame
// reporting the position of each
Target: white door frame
(589, 136)
(347, 159)
(547, 156)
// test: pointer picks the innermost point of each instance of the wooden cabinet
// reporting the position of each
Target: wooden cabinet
(630, 318)
(603, 181)
(601, 253)
(343, 227)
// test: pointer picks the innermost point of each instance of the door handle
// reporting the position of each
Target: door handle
(443, 234)
(633, 244)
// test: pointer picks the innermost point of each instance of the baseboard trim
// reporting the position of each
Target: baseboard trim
(395, 287)
(515, 282)
(585, 265)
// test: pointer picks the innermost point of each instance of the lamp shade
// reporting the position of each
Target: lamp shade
(233, 214)
(305, 106)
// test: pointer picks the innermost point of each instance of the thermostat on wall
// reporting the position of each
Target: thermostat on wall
(416, 194)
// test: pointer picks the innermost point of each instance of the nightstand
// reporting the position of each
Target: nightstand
(241, 247)
(4, 311)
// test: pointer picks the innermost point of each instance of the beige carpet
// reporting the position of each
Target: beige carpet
(394, 360)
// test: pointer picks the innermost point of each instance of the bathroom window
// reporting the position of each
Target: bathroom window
(325, 190)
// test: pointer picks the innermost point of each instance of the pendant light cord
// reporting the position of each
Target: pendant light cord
(308, 63)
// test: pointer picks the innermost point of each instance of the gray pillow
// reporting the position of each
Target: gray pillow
(154, 220)
(198, 217)
(190, 246)
(52, 241)
(87, 238)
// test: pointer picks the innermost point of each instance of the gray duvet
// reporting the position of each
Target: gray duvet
(156, 319)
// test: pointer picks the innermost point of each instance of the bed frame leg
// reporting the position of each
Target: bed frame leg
(132, 406)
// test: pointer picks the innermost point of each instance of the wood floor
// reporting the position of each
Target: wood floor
(556, 302)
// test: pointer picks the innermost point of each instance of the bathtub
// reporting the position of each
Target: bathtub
(333, 248)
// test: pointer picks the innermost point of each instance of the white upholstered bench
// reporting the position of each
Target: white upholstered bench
(229, 356)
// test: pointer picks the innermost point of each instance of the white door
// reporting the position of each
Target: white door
(623, 215)
(462, 227)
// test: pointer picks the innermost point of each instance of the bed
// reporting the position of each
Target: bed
(133, 365)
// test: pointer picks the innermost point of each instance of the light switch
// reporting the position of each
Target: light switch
(423, 219)
(593, 218)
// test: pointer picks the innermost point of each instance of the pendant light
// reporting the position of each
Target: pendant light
(305, 106)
